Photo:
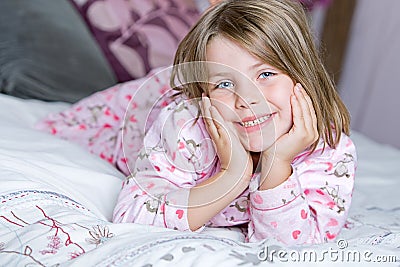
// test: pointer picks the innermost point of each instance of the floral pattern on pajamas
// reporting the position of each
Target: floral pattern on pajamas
(310, 207)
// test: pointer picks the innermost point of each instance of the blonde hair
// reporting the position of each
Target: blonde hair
(278, 33)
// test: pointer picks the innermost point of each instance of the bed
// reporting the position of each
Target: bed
(57, 201)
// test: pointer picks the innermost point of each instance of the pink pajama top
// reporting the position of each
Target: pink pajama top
(310, 207)
(176, 153)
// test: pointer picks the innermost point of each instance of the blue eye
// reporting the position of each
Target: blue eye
(224, 85)
(266, 75)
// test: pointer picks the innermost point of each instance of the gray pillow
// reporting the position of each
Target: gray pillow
(47, 52)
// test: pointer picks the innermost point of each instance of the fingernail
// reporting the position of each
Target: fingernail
(298, 87)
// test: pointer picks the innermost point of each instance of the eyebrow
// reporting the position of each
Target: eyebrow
(252, 67)
(220, 74)
(260, 64)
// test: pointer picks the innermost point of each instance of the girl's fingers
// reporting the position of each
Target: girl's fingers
(309, 116)
(304, 104)
(297, 110)
(312, 112)
(218, 122)
(208, 118)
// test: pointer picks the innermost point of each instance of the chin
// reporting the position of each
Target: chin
(258, 146)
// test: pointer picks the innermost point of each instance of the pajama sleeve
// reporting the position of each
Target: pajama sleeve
(313, 204)
(176, 155)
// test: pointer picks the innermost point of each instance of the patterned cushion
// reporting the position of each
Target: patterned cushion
(138, 35)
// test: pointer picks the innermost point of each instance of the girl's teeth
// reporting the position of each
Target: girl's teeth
(255, 122)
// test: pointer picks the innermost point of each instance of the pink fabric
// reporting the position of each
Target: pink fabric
(310, 207)
(138, 35)
(103, 120)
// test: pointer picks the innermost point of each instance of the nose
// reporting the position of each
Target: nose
(247, 96)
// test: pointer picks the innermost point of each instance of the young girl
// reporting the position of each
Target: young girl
(271, 148)
(256, 135)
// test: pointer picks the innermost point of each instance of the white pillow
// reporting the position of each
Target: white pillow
(33, 160)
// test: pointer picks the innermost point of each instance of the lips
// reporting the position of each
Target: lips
(251, 122)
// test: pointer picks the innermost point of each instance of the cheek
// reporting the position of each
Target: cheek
(224, 106)
(285, 119)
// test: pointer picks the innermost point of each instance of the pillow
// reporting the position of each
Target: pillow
(35, 161)
(47, 52)
(137, 36)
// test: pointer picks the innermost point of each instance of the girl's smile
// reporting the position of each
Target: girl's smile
(254, 123)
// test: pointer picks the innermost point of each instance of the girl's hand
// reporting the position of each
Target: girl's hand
(214, 194)
(277, 159)
(234, 159)
(304, 131)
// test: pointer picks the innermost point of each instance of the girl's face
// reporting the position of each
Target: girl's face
(252, 97)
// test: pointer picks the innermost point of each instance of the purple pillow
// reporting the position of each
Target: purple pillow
(137, 36)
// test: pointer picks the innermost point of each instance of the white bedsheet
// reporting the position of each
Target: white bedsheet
(57, 201)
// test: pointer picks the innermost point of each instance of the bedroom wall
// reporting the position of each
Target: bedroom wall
(370, 78)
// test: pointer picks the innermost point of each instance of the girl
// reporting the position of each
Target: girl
(255, 136)
(271, 147)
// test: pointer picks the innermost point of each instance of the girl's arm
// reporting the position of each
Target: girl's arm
(169, 185)
(215, 194)
(311, 206)
(305, 202)
(276, 161)
(212, 196)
